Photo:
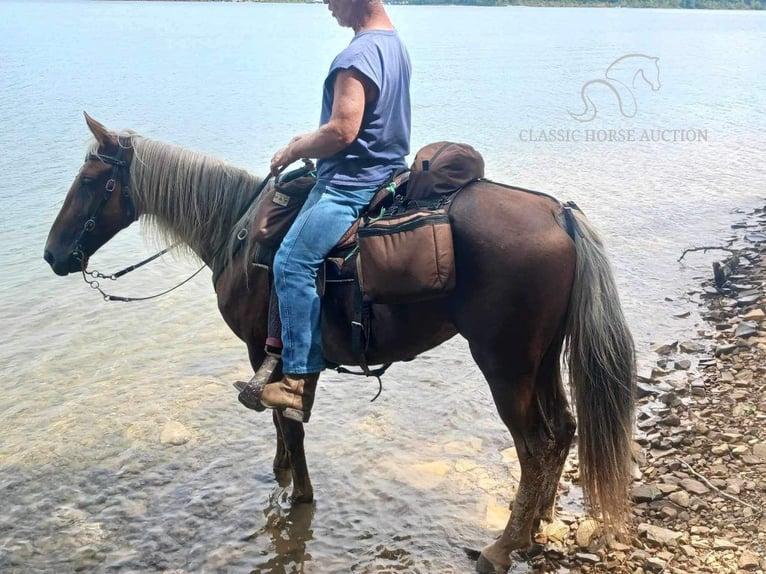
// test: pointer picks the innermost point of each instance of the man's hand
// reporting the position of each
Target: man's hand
(285, 156)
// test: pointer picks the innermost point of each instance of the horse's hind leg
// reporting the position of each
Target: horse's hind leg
(560, 425)
(530, 405)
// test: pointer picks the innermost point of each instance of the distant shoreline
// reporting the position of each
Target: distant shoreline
(667, 4)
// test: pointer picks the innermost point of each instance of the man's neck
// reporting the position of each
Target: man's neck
(377, 20)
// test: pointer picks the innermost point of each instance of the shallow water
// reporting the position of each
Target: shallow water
(402, 484)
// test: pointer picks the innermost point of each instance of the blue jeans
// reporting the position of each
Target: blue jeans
(327, 214)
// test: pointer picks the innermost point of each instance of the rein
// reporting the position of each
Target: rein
(93, 282)
(120, 169)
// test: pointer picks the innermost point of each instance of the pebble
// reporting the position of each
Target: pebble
(683, 364)
(691, 347)
(723, 544)
(759, 450)
(681, 498)
(660, 535)
(749, 561)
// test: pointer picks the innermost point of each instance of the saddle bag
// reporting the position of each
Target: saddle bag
(406, 257)
(443, 168)
(281, 204)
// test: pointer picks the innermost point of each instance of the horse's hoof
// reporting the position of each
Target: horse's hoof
(485, 566)
(534, 550)
(283, 476)
(301, 498)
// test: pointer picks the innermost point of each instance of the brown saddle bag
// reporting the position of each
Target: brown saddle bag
(281, 204)
(443, 168)
(406, 256)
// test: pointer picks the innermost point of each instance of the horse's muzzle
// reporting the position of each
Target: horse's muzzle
(62, 266)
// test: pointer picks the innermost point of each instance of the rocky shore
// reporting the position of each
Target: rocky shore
(699, 495)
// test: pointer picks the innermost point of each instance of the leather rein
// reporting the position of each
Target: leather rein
(120, 172)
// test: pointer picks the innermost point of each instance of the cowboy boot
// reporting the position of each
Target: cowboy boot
(294, 394)
(250, 392)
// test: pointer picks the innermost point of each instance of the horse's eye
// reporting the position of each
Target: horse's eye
(85, 181)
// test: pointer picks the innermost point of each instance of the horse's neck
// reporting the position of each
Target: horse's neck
(190, 197)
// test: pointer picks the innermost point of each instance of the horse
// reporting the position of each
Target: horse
(533, 280)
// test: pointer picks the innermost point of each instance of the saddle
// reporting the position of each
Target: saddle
(399, 251)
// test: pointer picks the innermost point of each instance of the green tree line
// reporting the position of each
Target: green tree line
(703, 4)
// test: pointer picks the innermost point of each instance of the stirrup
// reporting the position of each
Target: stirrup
(297, 414)
(250, 392)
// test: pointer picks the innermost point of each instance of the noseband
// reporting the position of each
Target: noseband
(121, 173)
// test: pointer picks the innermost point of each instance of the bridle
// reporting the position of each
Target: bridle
(120, 172)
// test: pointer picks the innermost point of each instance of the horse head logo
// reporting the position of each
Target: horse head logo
(621, 78)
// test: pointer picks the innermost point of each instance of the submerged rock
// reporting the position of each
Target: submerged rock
(175, 433)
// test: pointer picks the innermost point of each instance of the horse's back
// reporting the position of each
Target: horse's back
(515, 263)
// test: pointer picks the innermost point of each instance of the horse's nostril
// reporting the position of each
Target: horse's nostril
(49, 258)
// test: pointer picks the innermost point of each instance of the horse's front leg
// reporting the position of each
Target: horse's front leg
(281, 458)
(292, 442)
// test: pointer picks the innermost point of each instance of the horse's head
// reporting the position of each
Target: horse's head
(97, 206)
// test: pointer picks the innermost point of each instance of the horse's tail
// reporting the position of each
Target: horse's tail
(602, 373)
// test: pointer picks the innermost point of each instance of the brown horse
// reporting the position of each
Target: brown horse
(530, 280)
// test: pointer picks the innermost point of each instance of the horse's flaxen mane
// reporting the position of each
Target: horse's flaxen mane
(188, 197)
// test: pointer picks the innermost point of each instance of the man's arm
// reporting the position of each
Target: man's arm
(352, 92)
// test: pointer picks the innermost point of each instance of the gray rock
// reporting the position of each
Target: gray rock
(660, 536)
(645, 493)
(722, 350)
(691, 347)
(759, 450)
(671, 420)
(693, 486)
(698, 388)
(588, 558)
(683, 364)
(644, 389)
(654, 564)
(667, 348)
(746, 300)
(669, 512)
(746, 329)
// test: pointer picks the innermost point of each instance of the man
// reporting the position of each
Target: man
(363, 137)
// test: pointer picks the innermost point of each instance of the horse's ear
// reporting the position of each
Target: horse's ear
(102, 135)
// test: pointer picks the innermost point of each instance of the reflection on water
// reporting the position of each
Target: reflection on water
(289, 529)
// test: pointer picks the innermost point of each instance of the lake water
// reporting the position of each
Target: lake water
(86, 387)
